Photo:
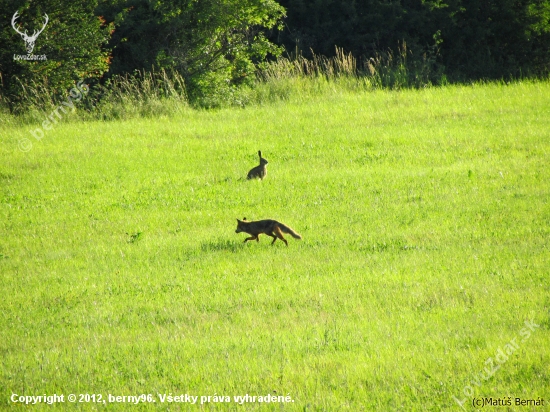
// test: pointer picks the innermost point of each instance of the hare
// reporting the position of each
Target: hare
(259, 171)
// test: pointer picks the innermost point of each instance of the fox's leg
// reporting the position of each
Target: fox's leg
(279, 234)
(273, 236)
(255, 237)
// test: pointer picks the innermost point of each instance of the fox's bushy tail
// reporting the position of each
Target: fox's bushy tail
(290, 231)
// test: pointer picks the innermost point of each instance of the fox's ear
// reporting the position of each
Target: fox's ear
(238, 220)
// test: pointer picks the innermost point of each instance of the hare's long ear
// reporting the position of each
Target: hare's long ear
(259, 153)
(238, 220)
(244, 219)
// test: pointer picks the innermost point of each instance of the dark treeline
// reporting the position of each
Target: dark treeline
(218, 46)
(470, 39)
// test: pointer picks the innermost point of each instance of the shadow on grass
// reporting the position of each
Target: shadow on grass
(221, 245)
(395, 245)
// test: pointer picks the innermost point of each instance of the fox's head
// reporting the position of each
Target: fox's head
(241, 225)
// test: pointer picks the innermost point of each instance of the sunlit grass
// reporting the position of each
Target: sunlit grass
(425, 224)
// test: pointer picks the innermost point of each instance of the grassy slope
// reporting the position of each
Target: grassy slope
(425, 220)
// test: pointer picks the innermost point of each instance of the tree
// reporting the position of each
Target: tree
(472, 38)
(495, 38)
(71, 42)
(211, 43)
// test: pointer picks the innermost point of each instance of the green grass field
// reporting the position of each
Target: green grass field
(425, 219)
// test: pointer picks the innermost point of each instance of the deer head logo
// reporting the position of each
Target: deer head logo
(29, 40)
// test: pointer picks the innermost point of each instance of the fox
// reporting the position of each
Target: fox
(267, 227)
(260, 170)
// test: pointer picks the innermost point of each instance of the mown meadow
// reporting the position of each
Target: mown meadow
(425, 220)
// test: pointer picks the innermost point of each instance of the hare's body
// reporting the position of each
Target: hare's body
(260, 170)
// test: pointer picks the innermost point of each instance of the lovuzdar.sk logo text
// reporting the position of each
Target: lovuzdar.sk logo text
(29, 40)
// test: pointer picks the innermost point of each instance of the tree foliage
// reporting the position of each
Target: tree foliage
(496, 38)
(71, 42)
(211, 43)
(473, 38)
(217, 45)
